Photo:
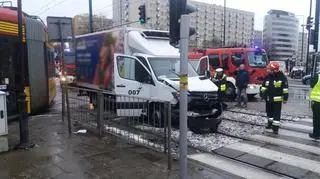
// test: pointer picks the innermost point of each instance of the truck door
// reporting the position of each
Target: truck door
(132, 84)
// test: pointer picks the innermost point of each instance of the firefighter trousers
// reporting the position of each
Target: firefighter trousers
(273, 110)
(316, 118)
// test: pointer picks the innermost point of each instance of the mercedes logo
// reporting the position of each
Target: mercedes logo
(205, 97)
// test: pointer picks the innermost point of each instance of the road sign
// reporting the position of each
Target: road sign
(59, 26)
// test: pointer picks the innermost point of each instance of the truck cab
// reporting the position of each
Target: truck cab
(145, 66)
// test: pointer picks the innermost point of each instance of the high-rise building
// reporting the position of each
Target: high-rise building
(208, 21)
(302, 42)
(257, 41)
(280, 34)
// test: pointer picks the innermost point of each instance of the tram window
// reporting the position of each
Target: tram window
(214, 60)
(7, 61)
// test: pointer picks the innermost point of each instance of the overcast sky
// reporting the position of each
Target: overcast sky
(69, 8)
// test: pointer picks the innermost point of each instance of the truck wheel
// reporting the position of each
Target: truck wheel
(156, 115)
(196, 130)
(230, 92)
(214, 129)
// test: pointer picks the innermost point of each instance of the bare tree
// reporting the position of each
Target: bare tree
(80, 23)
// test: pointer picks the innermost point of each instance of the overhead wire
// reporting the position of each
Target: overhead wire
(48, 8)
(44, 7)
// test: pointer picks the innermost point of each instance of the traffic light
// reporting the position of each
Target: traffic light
(309, 23)
(177, 8)
(142, 14)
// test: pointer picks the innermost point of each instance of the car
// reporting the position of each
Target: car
(297, 72)
(306, 79)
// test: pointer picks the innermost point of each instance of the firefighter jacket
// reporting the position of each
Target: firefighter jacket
(315, 93)
(221, 82)
(275, 88)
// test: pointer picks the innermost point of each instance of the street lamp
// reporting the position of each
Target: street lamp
(302, 46)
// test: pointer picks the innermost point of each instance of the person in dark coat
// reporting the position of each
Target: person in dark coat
(242, 81)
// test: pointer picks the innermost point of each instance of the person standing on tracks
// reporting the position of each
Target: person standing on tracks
(242, 81)
(315, 102)
(220, 79)
(275, 91)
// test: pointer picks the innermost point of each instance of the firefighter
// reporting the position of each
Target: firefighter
(275, 91)
(315, 99)
(220, 79)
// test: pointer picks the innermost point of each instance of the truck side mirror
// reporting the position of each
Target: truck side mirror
(148, 80)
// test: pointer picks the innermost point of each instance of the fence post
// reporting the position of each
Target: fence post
(165, 126)
(63, 100)
(68, 111)
(100, 113)
(169, 137)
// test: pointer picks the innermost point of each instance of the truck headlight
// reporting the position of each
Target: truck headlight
(63, 78)
(176, 95)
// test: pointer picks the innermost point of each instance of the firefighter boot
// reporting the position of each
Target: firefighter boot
(269, 124)
(275, 126)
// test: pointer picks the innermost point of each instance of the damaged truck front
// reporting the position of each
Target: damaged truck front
(142, 64)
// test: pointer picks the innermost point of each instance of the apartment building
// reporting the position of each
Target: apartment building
(208, 21)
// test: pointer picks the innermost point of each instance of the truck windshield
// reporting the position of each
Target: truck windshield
(257, 59)
(169, 67)
(194, 63)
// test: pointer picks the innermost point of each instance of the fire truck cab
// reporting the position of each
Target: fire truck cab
(255, 60)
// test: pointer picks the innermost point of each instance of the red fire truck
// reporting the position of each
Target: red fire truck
(255, 60)
(69, 64)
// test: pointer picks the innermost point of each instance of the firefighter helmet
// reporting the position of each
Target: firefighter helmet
(274, 66)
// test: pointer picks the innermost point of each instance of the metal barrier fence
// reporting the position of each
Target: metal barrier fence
(299, 94)
(138, 120)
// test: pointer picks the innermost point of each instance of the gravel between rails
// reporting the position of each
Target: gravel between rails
(284, 117)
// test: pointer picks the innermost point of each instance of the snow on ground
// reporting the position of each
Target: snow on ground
(244, 117)
(239, 129)
(207, 142)
(259, 116)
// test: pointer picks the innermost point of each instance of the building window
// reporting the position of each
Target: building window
(282, 35)
(285, 29)
(282, 45)
(281, 40)
(284, 24)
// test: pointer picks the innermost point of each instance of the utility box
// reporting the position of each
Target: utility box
(3, 123)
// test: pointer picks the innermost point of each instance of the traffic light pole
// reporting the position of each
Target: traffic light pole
(184, 42)
(90, 17)
(302, 48)
(316, 37)
(224, 22)
(23, 122)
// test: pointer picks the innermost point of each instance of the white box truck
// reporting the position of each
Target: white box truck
(142, 63)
